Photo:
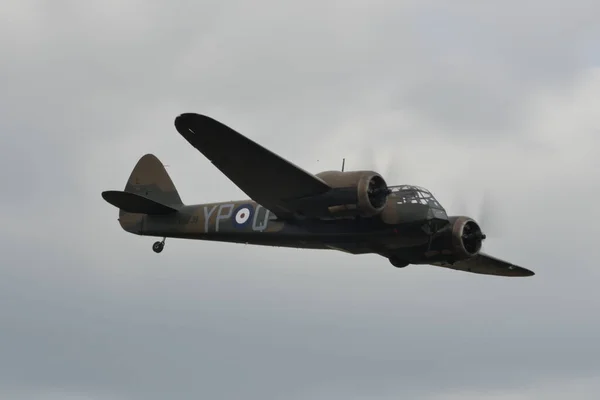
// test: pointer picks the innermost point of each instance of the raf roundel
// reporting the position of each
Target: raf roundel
(242, 215)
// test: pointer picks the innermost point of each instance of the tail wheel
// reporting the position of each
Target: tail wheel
(157, 247)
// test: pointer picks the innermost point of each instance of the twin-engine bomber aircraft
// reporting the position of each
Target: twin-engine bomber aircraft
(353, 211)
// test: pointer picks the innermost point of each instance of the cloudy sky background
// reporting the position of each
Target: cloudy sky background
(465, 99)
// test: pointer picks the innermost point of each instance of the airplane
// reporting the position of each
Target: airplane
(355, 212)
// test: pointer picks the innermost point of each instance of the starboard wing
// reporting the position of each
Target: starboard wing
(485, 264)
(267, 178)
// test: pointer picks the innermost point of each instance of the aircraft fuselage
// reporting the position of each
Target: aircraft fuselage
(248, 222)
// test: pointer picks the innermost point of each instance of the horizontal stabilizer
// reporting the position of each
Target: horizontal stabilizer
(134, 203)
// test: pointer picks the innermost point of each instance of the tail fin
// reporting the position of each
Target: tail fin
(150, 179)
(149, 191)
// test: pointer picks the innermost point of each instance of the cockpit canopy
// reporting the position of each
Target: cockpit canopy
(409, 194)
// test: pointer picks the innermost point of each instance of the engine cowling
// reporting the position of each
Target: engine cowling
(466, 237)
(361, 193)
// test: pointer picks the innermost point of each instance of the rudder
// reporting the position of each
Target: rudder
(150, 179)
(148, 191)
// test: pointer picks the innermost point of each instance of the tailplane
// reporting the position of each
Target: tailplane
(148, 191)
(136, 204)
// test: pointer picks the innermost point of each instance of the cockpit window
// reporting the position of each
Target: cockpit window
(406, 194)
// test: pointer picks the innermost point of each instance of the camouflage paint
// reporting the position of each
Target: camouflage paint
(404, 233)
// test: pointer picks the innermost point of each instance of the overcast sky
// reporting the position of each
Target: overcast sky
(463, 100)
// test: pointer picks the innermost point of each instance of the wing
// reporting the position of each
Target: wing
(267, 178)
(488, 265)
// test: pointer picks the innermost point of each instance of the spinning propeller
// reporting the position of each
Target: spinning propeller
(487, 215)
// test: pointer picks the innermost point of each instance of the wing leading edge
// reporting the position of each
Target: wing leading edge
(265, 177)
(485, 264)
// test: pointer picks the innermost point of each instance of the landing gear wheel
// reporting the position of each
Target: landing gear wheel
(397, 262)
(157, 247)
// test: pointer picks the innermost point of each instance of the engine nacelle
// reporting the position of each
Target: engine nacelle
(356, 193)
(465, 237)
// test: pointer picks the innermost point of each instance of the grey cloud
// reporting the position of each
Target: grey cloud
(87, 308)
